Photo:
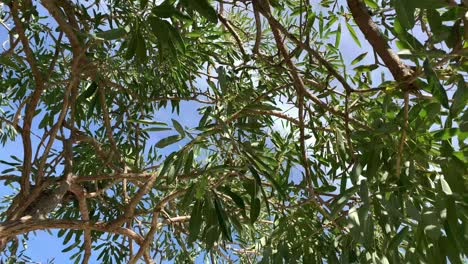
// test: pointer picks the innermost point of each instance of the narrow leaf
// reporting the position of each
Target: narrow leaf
(112, 34)
(195, 221)
(353, 34)
(396, 240)
(178, 127)
(204, 8)
(445, 187)
(254, 209)
(359, 58)
(168, 141)
(436, 87)
(222, 218)
(405, 13)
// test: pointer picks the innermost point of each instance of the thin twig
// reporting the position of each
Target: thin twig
(258, 28)
(227, 24)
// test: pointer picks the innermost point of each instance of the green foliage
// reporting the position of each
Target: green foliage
(311, 150)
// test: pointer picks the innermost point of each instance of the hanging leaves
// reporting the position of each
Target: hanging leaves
(434, 84)
(204, 8)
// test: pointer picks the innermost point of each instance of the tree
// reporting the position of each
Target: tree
(242, 131)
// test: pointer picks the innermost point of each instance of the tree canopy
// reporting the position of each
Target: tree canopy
(235, 131)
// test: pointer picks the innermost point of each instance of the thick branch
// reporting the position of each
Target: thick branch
(258, 28)
(371, 31)
(80, 194)
(31, 105)
(25, 225)
(64, 25)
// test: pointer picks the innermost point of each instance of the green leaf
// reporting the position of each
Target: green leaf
(92, 105)
(204, 118)
(204, 8)
(398, 238)
(165, 10)
(222, 79)
(201, 187)
(143, 4)
(222, 218)
(432, 229)
(436, 88)
(195, 221)
(131, 46)
(176, 38)
(168, 141)
(359, 58)
(189, 162)
(452, 226)
(146, 122)
(338, 36)
(452, 253)
(433, 232)
(435, 21)
(140, 51)
(364, 193)
(155, 129)
(371, 4)
(340, 144)
(407, 40)
(353, 34)
(341, 200)
(251, 187)
(72, 246)
(445, 187)
(405, 13)
(188, 197)
(254, 209)
(256, 160)
(258, 186)
(212, 235)
(460, 98)
(321, 24)
(356, 172)
(116, 33)
(178, 127)
(447, 133)
(366, 68)
(90, 90)
(235, 197)
(7, 60)
(428, 4)
(160, 28)
(354, 217)
(68, 237)
(453, 14)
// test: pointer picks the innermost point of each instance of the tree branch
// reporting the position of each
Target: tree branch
(154, 224)
(233, 32)
(32, 103)
(50, 5)
(399, 70)
(25, 225)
